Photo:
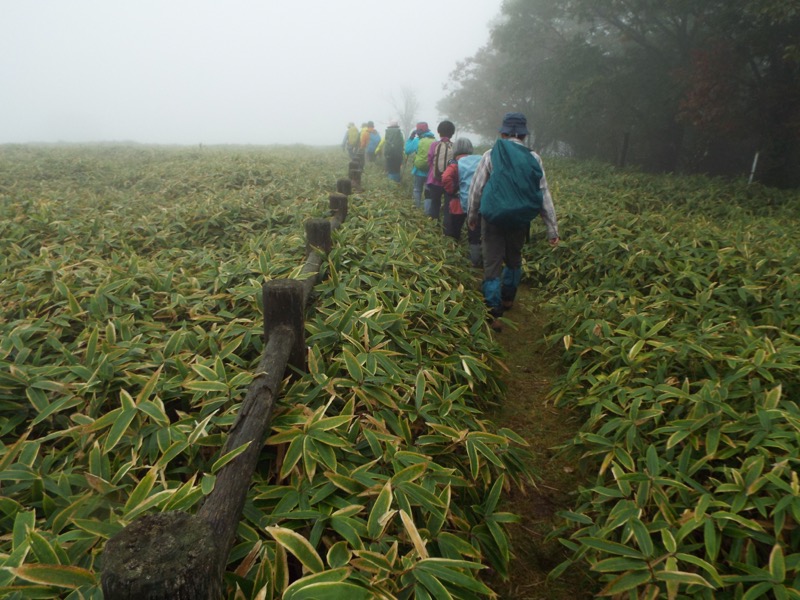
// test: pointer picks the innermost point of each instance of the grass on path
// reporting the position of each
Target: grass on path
(526, 410)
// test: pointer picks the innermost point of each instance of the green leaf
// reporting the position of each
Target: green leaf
(410, 473)
(642, 536)
(120, 426)
(777, 564)
(758, 591)
(44, 552)
(434, 586)
(55, 575)
(339, 555)
(207, 386)
(682, 577)
(228, 457)
(577, 517)
(292, 456)
(668, 540)
(63, 403)
(618, 564)
(24, 523)
(299, 546)
(419, 390)
(101, 529)
(634, 351)
(474, 460)
(653, 465)
(327, 591)
(706, 566)
(349, 530)
(148, 388)
(374, 561)
(331, 576)
(610, 547)
(379, 514)
(450, 570)
(711, 539)
(490, 505)
(413, 534)
(154, 411)
(745, 522)
(328, 423)
(141, 491)
(207, 483)
(174, 450)
(353, 366)
(625, 582)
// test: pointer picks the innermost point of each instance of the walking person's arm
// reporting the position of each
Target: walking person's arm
(479, 180)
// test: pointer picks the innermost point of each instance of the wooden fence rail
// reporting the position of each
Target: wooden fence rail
(177, 556)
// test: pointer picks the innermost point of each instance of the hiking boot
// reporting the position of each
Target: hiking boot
(496, 325)
(508, 304)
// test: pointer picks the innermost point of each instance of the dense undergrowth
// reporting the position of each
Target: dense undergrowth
(130, 327)
(676, 300)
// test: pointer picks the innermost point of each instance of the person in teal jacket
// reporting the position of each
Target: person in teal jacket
(417, 146)
(502, 243)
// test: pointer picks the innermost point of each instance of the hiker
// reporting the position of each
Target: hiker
(350, 141)
(393, 146)
(506, 203)
(363, 140)
(456, 181)
(416, 148)
(372, 142)
(439, 155)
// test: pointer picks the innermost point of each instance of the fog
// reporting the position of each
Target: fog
(224, 71)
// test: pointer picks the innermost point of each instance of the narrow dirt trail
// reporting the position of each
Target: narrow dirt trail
(532, 368)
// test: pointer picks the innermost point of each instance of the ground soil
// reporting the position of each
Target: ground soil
(527, 411)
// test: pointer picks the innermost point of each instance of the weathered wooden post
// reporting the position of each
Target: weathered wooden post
(318, 243)
(176, 556)
(338, 204)
(344, 186)
(284, 308)
(355, 175)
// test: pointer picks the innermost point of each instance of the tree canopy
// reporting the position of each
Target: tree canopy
(696, 85)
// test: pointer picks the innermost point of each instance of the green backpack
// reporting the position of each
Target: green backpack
(421, 158)
(512, 197)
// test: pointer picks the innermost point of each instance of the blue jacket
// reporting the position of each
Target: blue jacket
(466, 169)
(374, 140)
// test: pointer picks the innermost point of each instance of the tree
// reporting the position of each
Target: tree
(406, 108)
(743, 89)
(701, 84)
(476, 97)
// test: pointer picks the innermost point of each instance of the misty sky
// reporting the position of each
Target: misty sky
(224, 71)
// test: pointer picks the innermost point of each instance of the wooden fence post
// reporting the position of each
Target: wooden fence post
(338, 204)
(284, 306)
(318, 235)
(176, 556)
(163, 556)
(318, 243)
(355, 175)
(344, 186)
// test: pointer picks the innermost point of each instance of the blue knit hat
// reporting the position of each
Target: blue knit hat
(514, 123)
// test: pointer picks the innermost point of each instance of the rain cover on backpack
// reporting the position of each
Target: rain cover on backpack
(512, 197)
